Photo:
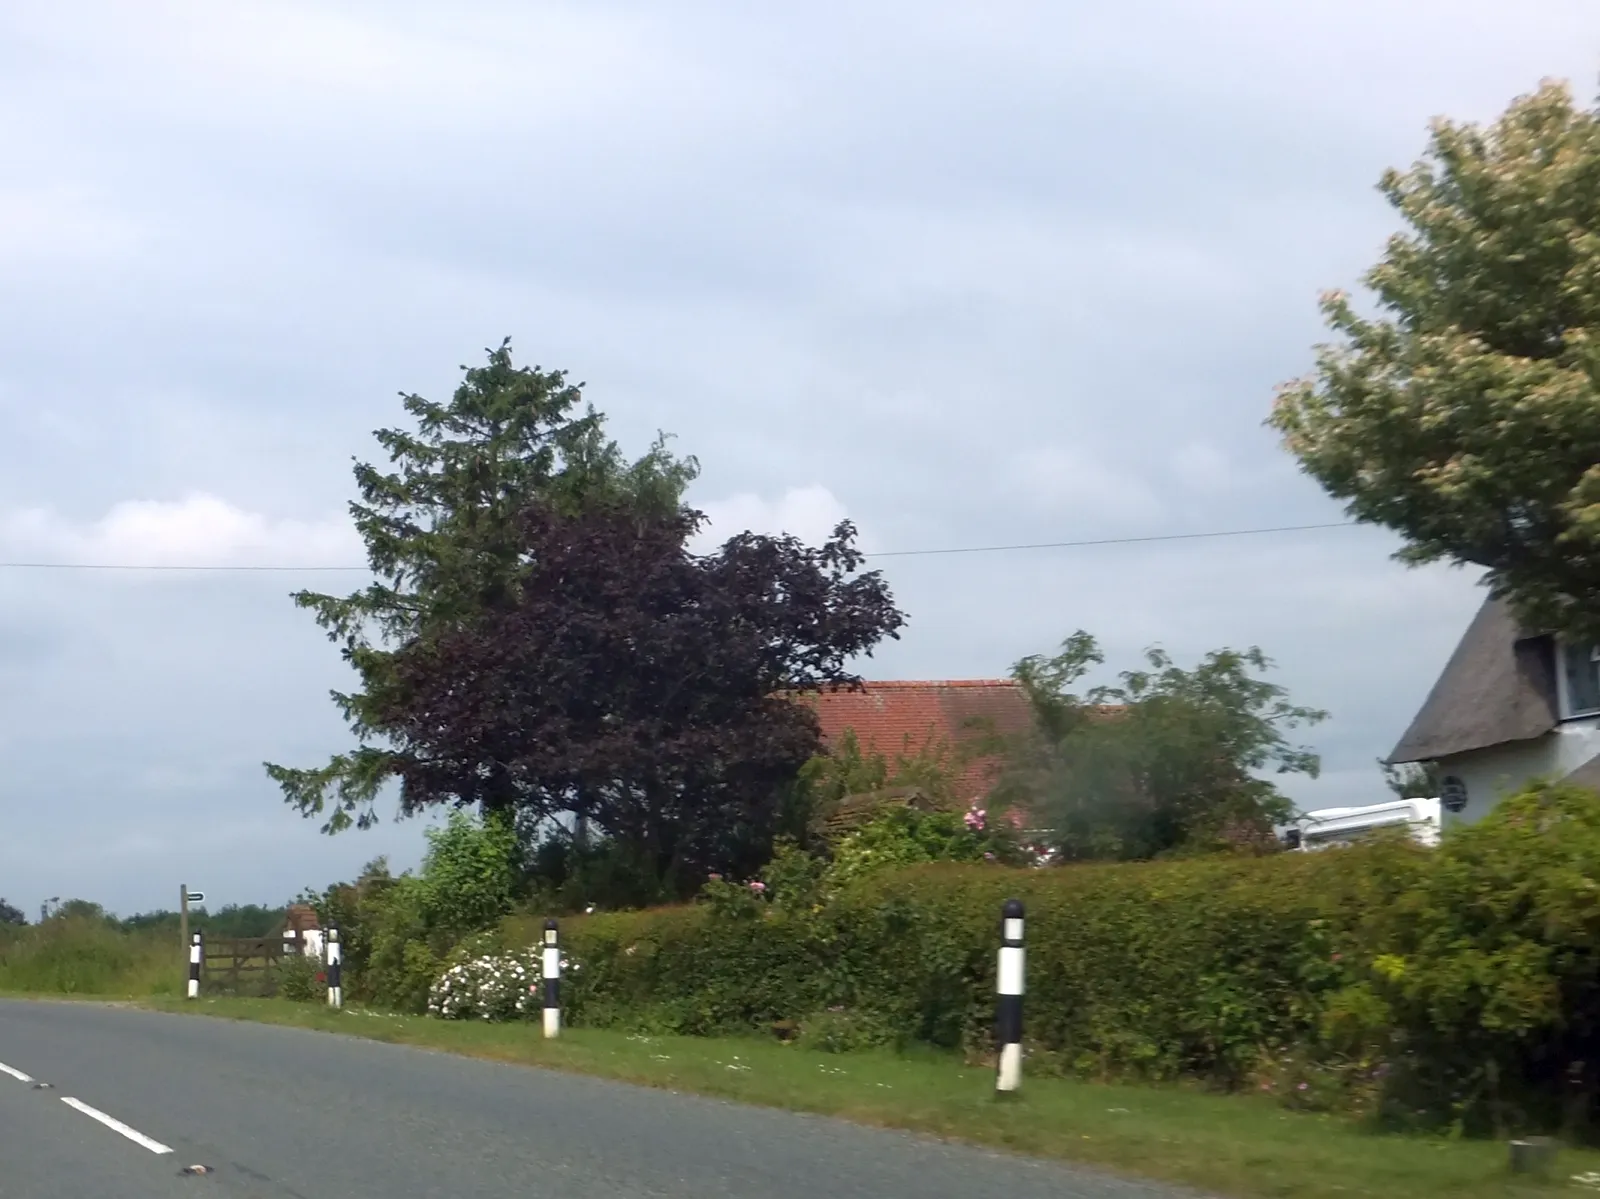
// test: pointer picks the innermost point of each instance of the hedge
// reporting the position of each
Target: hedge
(1456, 986)
(1190, 968)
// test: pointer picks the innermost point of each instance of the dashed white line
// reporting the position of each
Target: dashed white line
(134, 1135)
(15, 1073)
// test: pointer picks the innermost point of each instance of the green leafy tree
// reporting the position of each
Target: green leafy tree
(10, 914)
(1412, 780)
(1165, 760)
(469, 875)
(441, 526)
(1464, 412)
(80, 909)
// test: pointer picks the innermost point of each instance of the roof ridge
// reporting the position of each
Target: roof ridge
(897, 683)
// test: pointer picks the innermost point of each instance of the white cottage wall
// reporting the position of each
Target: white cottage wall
(1492, 774)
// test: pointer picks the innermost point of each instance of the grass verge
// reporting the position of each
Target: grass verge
(1242, 1145)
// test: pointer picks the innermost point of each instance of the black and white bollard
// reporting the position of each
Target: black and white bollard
(1008, 1005)
(550, 971)
(335, 961)
(196, 956)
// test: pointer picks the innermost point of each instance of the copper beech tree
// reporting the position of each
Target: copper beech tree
(639, 686)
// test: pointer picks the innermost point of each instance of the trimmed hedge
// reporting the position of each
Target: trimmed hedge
(1457, 986)
(1162, 970)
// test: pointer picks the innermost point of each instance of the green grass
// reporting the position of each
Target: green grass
(78, 956)
(1242, 1145)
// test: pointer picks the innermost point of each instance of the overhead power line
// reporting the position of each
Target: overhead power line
(1064, 545)
(965, 549)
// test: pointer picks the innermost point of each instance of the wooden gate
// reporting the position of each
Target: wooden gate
(241, 965)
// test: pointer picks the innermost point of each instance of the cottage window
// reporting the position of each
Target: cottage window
(1580, 681)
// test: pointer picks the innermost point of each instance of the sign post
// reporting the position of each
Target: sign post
(185, 898)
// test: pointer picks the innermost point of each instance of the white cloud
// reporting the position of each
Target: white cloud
(198, 530)
(809, 513)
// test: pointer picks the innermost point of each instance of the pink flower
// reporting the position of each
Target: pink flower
(975, 818)
(758, 887)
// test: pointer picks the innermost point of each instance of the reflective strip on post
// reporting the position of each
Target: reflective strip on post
(196, 957)
(550, 970)
(335, 971)
(1008, 1003)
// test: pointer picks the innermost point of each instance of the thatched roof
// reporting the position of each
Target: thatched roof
(1499, 686)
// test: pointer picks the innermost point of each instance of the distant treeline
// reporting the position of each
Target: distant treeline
(233, 920)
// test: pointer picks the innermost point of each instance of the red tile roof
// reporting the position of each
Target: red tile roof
(908, 717)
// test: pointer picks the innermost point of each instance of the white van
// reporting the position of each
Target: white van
(1340, 826)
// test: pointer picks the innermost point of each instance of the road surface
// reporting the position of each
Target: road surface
(134, 1097)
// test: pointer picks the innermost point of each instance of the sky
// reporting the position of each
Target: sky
(969, 274)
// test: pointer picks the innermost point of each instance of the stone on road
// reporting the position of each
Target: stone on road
(283, 1113)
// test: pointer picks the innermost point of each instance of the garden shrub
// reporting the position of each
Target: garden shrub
(1478, 989)
(301, 978)
(398, 931)
(908, 837)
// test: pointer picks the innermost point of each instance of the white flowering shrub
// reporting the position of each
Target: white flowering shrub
(501, 986)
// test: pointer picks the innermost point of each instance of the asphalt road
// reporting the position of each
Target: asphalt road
(281, 1112)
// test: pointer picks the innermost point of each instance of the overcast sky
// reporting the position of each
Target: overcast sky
(972, 274)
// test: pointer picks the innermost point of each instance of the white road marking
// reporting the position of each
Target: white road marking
(137, 1137)
(16, 1074)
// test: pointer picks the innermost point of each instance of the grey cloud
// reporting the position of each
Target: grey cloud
(891, 250)
(30, 644)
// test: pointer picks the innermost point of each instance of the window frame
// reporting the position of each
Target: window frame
(1564, 706)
